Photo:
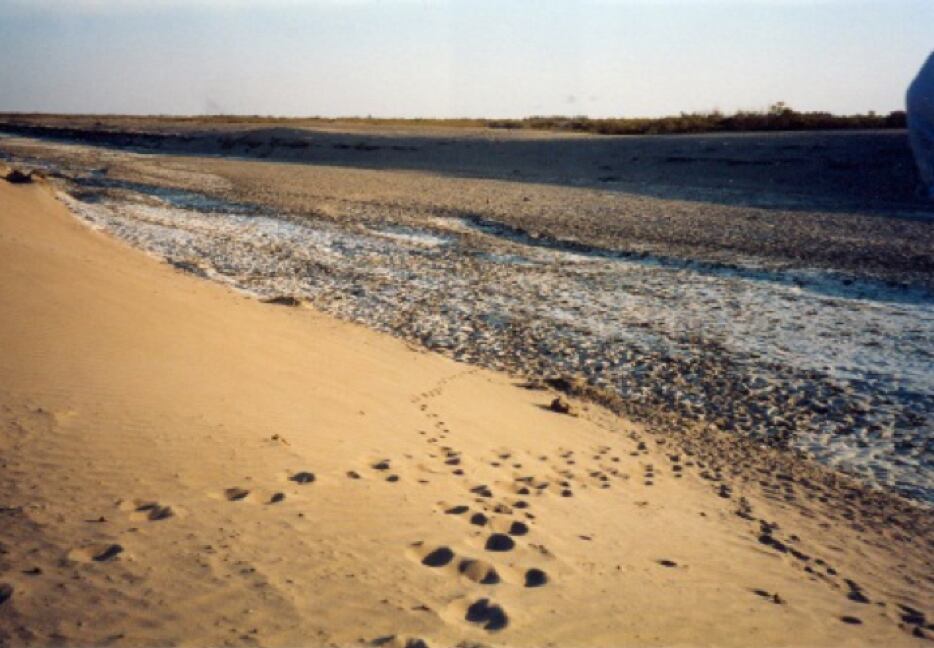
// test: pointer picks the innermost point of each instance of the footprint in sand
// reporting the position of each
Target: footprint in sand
(479, 571)
(303, 477)
(857, 597)
(438, 557)
(511, 527)
(855, 592)
(488, 615)
(499, 542)
(392, 641)
(431, 556)
(96, 553)
(912, 616)
(517, 528)
(479, 519)
(140, 509)
(535, 578)
(649, 474)
(482, 491)
(107, 553)
(155, 511)
(774, 598)
(236, 494)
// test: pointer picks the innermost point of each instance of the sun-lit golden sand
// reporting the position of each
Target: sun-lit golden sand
(148, 420)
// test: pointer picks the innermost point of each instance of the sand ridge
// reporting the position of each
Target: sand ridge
(183, 464)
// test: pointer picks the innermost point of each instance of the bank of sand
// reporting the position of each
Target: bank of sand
(148, 418)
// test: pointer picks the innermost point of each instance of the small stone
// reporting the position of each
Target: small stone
(561, 406)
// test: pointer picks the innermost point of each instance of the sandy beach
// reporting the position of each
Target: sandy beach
(184, 463)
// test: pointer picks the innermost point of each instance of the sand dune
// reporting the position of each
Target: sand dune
(182, 464)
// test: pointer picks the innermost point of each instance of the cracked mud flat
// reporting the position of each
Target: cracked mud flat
(835, 365)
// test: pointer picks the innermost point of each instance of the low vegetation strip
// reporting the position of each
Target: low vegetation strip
(778, 117)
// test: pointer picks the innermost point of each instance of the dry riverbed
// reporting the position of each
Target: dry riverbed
(805, 330)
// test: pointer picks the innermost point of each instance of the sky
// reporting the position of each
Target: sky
(459, 58)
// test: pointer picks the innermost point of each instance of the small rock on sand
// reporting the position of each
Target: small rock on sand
(15, 176)
(561, 406)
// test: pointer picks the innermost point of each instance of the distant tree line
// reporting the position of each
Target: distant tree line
(779, 117)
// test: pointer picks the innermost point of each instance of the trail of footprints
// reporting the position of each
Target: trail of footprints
(502, 533)
(567, 470)
(778, 486)
(506, 520)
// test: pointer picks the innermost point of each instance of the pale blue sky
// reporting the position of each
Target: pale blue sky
(476, 58)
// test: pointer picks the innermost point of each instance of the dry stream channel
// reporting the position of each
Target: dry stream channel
(839, 367)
